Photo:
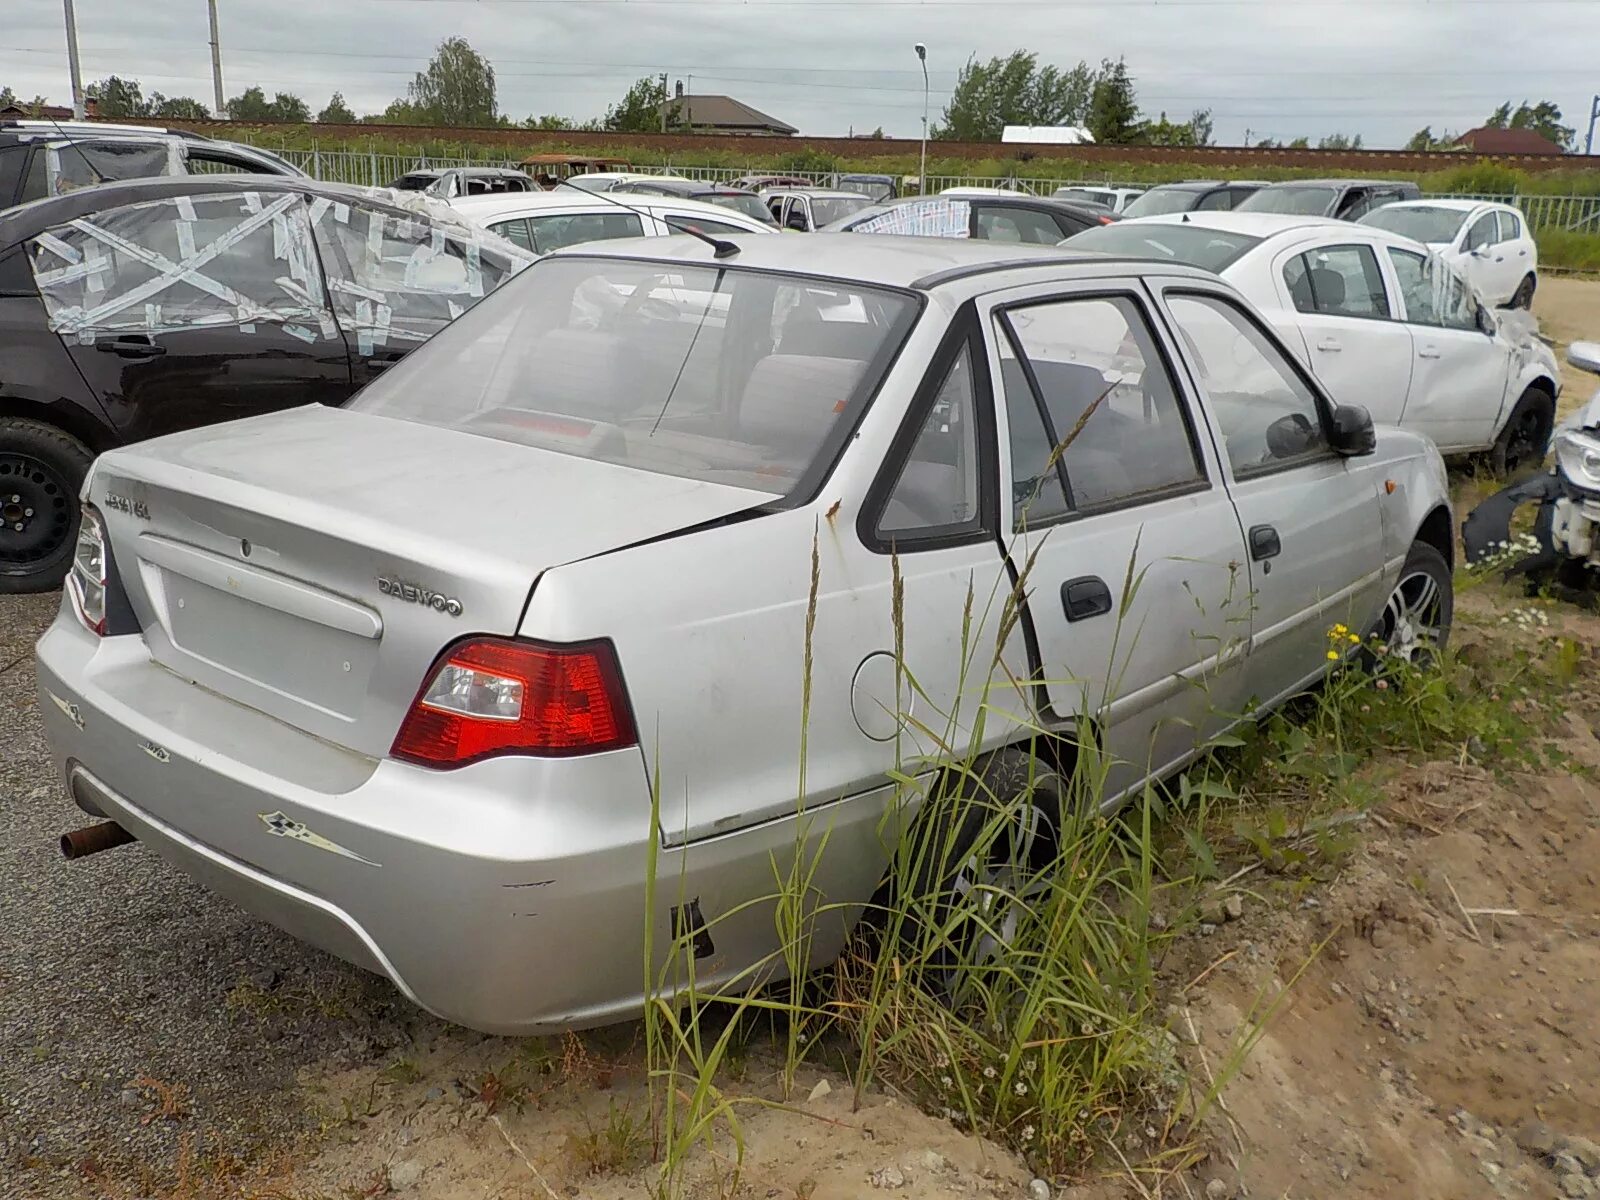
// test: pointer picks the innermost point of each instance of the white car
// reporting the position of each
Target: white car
(1380, 319)
(546, 221)
(1114, 198)
(1488, 243)
(604, 181)
(974, 193)
(808, 210)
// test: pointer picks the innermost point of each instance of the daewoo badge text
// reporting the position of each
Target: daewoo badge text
(419, 595)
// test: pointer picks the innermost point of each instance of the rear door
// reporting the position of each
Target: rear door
(1137, 600)
(1310, 519)
(1355, 346)
(194, 309)
(1459, 373)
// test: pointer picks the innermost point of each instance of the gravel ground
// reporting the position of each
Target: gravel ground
(119, 967)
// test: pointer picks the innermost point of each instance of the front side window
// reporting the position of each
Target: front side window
(1434, 294)
(235, 259)
(398, 279)
(1339, 281)
(1483, 232)
(515, 232)
(938, 486)
(1217, 201)
(750, 206)
(571, 229)
(713, 373)
(1108, 404)
(1356, 203)
(1038, 492)
(998, 223)
(1267, 415)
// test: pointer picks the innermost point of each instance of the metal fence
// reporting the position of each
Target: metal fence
(371, 169)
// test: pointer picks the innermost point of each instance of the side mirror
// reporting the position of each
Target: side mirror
(1585, 356)
(1352, 434)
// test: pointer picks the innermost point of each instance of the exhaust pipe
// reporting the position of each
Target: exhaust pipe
(107, 835)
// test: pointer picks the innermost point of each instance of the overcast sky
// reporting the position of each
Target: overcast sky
(1274, 68)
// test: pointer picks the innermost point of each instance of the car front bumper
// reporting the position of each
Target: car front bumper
(508, 896)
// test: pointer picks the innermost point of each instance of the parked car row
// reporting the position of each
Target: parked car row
(425, 726)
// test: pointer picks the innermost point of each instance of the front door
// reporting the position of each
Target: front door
(1356, 348)
(194, 309)
(1310, 519)
(1121, 527)
(1459, 373)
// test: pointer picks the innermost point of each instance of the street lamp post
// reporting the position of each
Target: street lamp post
(922, 170)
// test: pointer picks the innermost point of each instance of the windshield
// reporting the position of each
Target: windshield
(414, 183)
(708, 373)
(75, 165)
(825, 209)
(1421, 223)
(750, 206)
(1209, 248)
(1158, 201)
(1298, 201)
(873, 189)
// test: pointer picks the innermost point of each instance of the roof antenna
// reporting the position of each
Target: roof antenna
(720, 247)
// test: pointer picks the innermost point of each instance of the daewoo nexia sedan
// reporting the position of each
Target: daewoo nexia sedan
(403, 677)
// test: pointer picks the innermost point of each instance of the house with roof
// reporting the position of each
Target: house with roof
(722, 114)
(1488, 140)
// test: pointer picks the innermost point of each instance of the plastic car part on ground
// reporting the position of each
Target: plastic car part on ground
(166, 265)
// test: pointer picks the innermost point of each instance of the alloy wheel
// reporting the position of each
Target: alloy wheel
(1412, 619)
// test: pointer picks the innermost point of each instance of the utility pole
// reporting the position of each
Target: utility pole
(663, 102)
(1594, 115)
(72, 63)
(216, 63)
(922, 165)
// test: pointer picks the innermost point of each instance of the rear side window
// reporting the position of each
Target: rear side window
(555, 231)
(12, 163)
(1108, 405)
(998, 223)
(86, 164)
(515, 232)
(1510, 226)
(676, 222)
(1219, 199)
(1339, 281)
(237, 259)
(1268, 417)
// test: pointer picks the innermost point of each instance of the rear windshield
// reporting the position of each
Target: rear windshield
(728, 376)
(1200, 247)
(1157, 201)
(1297, 201)
(1419, 222)
(750, 206)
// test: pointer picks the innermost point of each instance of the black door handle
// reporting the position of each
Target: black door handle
(1264, 543)
(1084, 597)
(133, 345)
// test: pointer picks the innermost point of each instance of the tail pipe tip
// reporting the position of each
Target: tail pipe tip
(107, 835)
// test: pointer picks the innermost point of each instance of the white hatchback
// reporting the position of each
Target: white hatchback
(1380, 320)
(1488, 243)
(546, 221)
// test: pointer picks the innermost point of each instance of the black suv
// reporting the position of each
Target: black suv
(1192, 195)
(1342, 199)
(140, 308)
(51, 158)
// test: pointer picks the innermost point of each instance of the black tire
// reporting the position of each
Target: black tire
(1526, 435)
(1416, 618)
(1523, 297)
(41, 470)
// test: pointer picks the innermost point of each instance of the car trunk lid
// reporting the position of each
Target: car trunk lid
(313, 563)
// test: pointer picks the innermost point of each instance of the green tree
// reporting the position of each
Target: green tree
(337, 112)
(1194, 132)
(457, 88)
(1339, 141)
(250, 105)
(8, 97)
(286, 107)
(1423, 140)
(1114, 106)
(639, 111)
(1543, 118)
(1015, 90)
(119, 97)
(548, 121)
(177, 108)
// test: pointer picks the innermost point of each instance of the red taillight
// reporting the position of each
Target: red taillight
(86, 578)
(490, 696)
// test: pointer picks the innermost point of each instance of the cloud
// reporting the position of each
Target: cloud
(1274, 68)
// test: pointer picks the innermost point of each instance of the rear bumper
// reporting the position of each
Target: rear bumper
(508, 896)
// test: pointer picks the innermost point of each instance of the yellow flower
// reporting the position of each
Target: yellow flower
(1355, 640)
(1333, 656)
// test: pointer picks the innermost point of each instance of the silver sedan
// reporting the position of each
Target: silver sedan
(424, 679)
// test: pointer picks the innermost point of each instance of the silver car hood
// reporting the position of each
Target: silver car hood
(313, 563)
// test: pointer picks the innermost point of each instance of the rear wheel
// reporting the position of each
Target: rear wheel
(1523, 297)
(41, 469)
(1415, 622)
(1522, 442)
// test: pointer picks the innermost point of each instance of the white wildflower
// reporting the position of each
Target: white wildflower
(1027, 1133)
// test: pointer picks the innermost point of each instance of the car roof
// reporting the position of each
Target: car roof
(27, 220)
(1188, 185)
(483, 208)
(1253, 224)
(884, 260)
(1454, 205)
(1335, 183)
(814, 193)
